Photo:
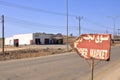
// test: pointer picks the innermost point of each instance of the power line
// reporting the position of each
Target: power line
(35, 24)
(45, 26)
(45, 11)
(8, 4)
(97, 24)
(12, 19)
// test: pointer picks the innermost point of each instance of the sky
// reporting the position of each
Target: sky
(49, 16)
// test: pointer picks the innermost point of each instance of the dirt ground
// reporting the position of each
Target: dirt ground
(31, 51)
(27, 51)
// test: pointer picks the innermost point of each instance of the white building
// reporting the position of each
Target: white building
(9, 41)
(34, 38)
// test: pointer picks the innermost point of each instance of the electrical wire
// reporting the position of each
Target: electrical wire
(49, 12)
(45, 26)
(45, 11)
(97, 24)
(8, 4)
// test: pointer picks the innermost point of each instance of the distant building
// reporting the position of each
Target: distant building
(35, 39)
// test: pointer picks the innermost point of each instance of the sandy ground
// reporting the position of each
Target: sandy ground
(112, 73)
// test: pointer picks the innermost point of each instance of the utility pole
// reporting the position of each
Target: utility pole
(118, 31)
(114, 21)
(3, 34)
(67, 24)
(106, 31)
(79, 19)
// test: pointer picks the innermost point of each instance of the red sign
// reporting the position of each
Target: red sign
(95, 46)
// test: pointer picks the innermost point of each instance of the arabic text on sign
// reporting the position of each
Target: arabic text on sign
(98, 39)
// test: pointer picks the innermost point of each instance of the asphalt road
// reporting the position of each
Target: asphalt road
(68, 66)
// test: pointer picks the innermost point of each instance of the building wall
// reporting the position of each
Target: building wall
(9, 41)
(42, 37)
(24, 39)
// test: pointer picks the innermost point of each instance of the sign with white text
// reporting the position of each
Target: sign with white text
(96, 46)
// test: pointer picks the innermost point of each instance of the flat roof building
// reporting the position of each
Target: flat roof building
(34, 38)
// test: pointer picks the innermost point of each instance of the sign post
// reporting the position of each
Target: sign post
(92, 68)
(93, 47)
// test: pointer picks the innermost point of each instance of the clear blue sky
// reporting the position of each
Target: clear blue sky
(49, 16)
